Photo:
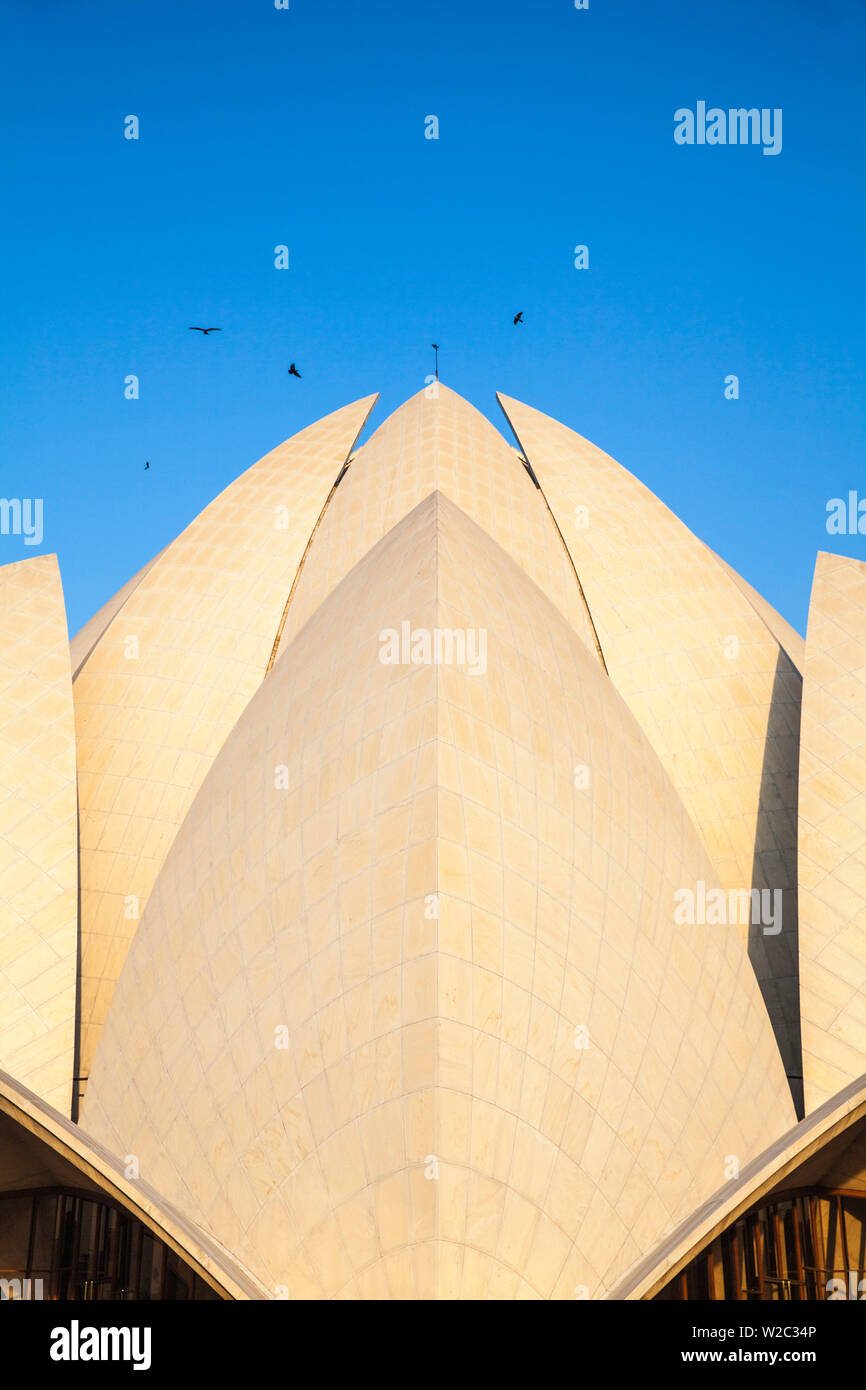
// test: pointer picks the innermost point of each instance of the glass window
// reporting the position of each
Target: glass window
(86, 1248)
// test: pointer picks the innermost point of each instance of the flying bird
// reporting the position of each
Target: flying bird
(194, 328)
(147, 465)
(518, 318)
(293, 371)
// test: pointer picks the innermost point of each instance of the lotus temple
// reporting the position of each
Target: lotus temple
(436, 875)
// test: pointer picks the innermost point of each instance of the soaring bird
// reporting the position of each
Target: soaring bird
(518, 318)
(194, 328)
(293, 371)
(147, 465)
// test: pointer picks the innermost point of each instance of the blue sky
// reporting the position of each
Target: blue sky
(306, 127)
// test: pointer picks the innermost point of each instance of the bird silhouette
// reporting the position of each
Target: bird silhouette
(293, 371)
(518, 318)
(194, 328)
(147, 465)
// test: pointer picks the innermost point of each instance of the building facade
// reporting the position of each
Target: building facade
(436, 874)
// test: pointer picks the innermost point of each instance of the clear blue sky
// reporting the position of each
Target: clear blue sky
(306, 127)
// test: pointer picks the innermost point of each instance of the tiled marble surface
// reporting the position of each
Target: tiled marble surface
(833, 830)
(205, 617)
(38, 835)
(421, 1043)
(668, 613)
